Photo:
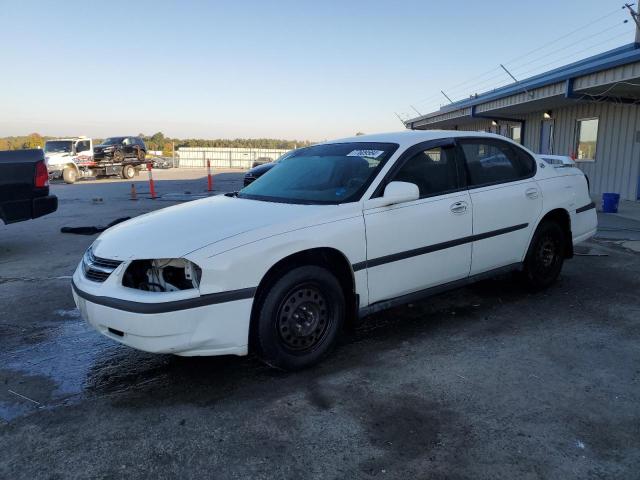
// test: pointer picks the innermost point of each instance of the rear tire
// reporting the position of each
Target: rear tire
(545, 257)
(70, 175)
(299, 319)
(141, 155)
(128, 172)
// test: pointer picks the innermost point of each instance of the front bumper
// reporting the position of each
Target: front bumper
(99, 156)
(210, 329)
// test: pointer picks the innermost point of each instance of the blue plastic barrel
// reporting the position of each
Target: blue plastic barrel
(610, 202)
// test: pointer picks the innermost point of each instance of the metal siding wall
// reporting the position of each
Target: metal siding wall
(224, 157)
(617, 164)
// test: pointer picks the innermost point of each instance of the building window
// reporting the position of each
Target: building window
(586, 139)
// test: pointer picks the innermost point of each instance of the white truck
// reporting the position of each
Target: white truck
(64, 155)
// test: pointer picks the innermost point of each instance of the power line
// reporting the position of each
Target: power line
(573, 54)
(608, 29)
(455, 91)
(599, 19)
(516, 60)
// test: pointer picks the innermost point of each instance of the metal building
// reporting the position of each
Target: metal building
(589, 109)
(226, 157)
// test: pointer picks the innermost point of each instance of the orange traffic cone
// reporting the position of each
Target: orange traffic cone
(134, 195)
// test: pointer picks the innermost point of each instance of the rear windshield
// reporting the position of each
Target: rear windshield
(322, 174)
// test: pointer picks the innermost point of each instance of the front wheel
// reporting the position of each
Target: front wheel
(128, 172)
(299, 319)
(545, 257)
(141, 155)
(70, 175)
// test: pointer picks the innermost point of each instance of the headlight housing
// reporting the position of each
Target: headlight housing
(162, 275)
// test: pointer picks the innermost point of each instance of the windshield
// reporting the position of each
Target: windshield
(113, 141)
(58, 146)
(322, 174)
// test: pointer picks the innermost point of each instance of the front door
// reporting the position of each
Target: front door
(506, 201)
(420, 244)
(546, 137)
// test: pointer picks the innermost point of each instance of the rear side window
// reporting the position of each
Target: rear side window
(433, 171)
(492, 161)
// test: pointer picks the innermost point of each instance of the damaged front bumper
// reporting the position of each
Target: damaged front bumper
(181, 322)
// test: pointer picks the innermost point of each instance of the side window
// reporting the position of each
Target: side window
(489, 162)
(82, 146)
(433, 171)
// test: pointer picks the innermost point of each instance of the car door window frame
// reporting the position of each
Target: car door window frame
(410, 152)
(486, 140)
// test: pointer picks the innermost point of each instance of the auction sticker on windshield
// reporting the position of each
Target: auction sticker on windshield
(366, 153)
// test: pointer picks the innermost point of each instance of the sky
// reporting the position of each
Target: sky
(306, 70)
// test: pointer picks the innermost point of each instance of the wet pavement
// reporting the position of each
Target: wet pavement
(485, 382)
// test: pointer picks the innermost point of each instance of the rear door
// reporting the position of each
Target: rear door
(420, 244)
(505, 198)
(128, 147)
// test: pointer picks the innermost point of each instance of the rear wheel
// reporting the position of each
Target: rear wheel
(70, 175)
(141, 155)
(299, 318)
(545, 257)
(128, 172)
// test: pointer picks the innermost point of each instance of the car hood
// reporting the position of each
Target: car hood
(179, 230)
(261, 169)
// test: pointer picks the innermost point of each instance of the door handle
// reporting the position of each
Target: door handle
(458, 208)
(531, 193)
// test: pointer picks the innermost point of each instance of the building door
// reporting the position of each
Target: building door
(546, 137)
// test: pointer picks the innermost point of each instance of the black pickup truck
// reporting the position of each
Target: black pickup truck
(24, 186)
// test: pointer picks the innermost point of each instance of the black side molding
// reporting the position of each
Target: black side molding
(428, 292)
(164, 307)
(586, 207)
(434, 248)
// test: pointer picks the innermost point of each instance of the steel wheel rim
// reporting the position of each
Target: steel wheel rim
(303, 318)
(547, 254)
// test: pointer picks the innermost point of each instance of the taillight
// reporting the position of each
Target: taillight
(42, 176)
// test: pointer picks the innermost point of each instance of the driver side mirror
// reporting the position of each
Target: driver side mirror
(394, 193)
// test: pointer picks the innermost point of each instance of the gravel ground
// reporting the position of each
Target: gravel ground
(484, 382)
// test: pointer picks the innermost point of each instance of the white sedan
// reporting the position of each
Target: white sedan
(335, 232)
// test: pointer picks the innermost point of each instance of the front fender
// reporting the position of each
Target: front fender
(244, 266)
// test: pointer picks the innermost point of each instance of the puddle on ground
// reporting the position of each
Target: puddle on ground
(72, 361)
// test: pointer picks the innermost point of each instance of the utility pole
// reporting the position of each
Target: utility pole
(634, 16)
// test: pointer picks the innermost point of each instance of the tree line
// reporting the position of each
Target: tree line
(158, 141)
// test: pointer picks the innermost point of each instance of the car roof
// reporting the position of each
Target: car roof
(407, 138)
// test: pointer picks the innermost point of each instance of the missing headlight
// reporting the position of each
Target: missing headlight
(162, 275)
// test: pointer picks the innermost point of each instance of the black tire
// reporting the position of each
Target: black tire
(118, 156)
(70, 175)
(128, 172)
(298, 318)
(545, 256)
(141, 155)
